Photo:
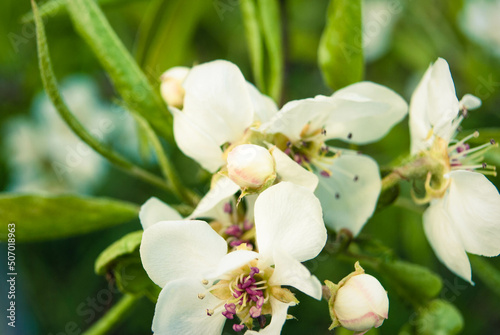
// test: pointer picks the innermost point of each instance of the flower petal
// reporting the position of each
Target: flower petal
(180, 311)
(289, 217)
(264, 107)
(290, 272)
(288, 170)
(154, 210)
(180, 249)
(350, 194)
(230, 262)
(279, 316)
(196, 142)
(377, 110)
(222, 189)
(473, 203)
(442, 236)
(217, 97)
(420, 125)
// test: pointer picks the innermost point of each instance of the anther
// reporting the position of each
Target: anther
(201, 296)
(349, 136)
(210, 312)
(492, 141)
(204, 282)
(337, 195)
(356, 178)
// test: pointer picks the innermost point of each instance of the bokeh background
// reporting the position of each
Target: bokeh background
(56, 284)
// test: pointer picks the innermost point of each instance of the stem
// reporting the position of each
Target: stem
(167, 168)
(50, 85)
(114, 316)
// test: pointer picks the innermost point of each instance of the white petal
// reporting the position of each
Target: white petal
(474, 206)
(443, 102)
(444, 240)
(217, 98)
(280, 311)
(350, 194)
(195, 142)
(264, 107)
(292, 118)
(470, 102)
(288, 170)
(369, 111)
(290, 272)
(180, 311)
(154, 210)
(221, 190)
(420, 125)
(230, 262)
(289, 217)
(179, 249)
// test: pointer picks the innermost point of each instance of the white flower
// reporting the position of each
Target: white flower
(360, 113)
(203, 285)
(358, 302)
(219, 107)
(464, 211)
(171, 85)
(250, 166)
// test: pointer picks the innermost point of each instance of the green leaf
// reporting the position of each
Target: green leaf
(127, 245)
(128, 79)
(486, 272)
(131, 278)
(254, 40)
(439, 318)
(340, 52)
(40, 218)
(415, 283)
(270, 16)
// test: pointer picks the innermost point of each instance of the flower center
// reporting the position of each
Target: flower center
(240, 230)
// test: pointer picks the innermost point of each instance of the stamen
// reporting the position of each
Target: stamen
(238, 328)
(462, 141)
(201, 296)
(228, 208)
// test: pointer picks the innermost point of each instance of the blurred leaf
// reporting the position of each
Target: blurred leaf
(254, 40)
(55, 7)
(413, 282)
(387, 197)
(129, 80)
(131, 278)
(439, 318)
(487, 272)
(270, 16)
(124, 246)
(485, 135)
(340, 52)
(40, 218)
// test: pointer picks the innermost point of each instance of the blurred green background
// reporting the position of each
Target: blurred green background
(57, 290)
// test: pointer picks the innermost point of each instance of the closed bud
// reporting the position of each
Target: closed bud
(171, 87)
(358, 302)
(250, 166)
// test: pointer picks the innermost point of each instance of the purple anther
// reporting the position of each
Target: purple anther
(485, 165)
(231, 308)
(260, 302)
(297, 159)
(234, 230)
(255, 312)
(228, 315)
(253, 271)
(492, 141)
(238, 328)
(235, 243)
(325, 174)
(288, 151)
(247, 225)
(228, 208)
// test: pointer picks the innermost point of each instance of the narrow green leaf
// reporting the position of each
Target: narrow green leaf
(50, 85)
(486, 272)
(128, 79)
(123, 247)
(40, 218)
(254, 39)
(340, 52)
(270, 16)
(415, 283)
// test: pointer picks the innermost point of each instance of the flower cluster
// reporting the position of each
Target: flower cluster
(277, 183)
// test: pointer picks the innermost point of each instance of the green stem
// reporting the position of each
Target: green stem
(166, 166)
(486, 272)
(50, 85)
(114, 316)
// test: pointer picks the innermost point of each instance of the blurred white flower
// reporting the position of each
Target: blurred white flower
(43, 153)
(171, 85)
(349, 183)
(203, 285)
(358, 302)
(464, 211)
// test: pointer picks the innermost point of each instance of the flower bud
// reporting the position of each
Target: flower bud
(250, 166)
(171, 85)
(358, 302)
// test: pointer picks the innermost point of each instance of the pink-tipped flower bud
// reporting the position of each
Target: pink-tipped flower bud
(250, 166)
(358, 302)
(171, 85)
